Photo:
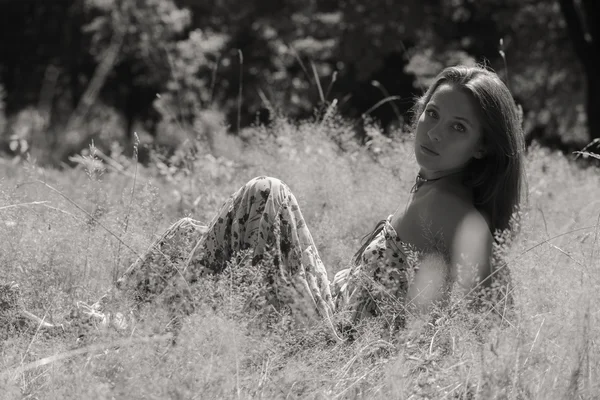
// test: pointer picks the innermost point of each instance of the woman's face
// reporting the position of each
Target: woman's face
(448, 133)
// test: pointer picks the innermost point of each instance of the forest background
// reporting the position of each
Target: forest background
(76, 70)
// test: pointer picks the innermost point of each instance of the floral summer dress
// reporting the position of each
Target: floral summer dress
(263, 216)
(263, 219)
(378, 282)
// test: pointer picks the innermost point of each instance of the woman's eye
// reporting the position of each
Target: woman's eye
(460, 127)
(431, 113)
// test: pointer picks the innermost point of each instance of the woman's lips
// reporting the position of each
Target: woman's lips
(429, 151)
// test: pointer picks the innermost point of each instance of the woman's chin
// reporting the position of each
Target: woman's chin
(424, 161)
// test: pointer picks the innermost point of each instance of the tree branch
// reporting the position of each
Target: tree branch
(576, 32)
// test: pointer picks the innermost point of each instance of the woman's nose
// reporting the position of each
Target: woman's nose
(435, 133)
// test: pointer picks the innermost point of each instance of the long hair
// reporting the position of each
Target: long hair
(497, 179)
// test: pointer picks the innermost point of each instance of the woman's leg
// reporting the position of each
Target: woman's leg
(165, 259)
(262, 216)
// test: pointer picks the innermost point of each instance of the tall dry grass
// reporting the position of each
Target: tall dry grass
(67, 245)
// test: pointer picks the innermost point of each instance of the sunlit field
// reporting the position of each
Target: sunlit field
(66, 236)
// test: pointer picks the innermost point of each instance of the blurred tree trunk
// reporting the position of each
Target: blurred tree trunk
(581, 18)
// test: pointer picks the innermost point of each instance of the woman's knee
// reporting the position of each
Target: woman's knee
(264, 184)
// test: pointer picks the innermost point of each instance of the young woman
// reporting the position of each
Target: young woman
(469, 147)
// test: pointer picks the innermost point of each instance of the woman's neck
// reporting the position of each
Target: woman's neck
(450, 183)
(436, 175)
(447, 179)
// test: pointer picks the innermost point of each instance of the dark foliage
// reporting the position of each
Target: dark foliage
(253, 59)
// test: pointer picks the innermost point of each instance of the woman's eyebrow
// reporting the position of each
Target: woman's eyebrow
(457, 117)
(463, 119)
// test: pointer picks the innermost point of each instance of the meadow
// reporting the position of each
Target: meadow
(67, 235)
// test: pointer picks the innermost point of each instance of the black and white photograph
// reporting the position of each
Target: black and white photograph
(300, 199)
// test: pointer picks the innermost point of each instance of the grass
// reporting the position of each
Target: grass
(70, 244)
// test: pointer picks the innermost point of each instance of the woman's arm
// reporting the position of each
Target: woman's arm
(471, 249)
(466, 236)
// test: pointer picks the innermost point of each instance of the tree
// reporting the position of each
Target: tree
(149, 31)
(581, 18)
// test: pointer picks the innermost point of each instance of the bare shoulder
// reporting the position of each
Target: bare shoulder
(450, 208)
(459, 223)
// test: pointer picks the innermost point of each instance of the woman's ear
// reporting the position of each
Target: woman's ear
(479, 154)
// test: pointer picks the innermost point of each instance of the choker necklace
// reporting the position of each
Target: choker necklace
(419, 181)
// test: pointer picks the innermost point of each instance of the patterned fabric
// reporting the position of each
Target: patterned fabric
(263, 219)
(379, 282)
(264, 216)
(163, 263)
